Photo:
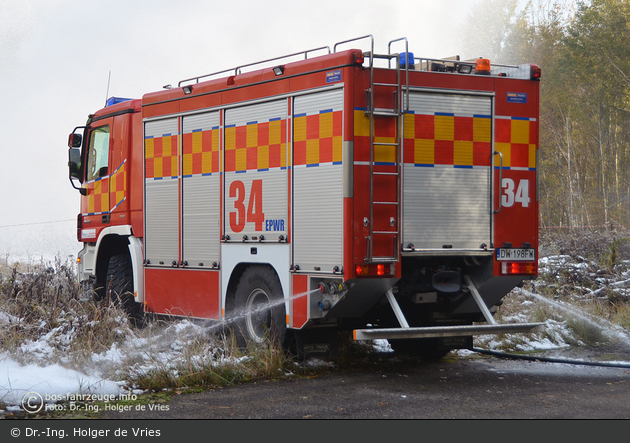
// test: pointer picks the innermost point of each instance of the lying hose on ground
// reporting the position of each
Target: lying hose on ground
(551, 360)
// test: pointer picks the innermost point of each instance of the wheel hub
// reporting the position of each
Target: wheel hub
(258, 315)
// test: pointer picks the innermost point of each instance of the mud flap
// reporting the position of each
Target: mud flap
(317, 343)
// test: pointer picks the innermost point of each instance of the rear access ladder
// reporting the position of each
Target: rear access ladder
(400, 94)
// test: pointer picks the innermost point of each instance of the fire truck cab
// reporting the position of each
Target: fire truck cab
(330, 189)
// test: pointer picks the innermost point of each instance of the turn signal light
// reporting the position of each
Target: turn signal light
(359, 58)
(519, 268)
(374, 270)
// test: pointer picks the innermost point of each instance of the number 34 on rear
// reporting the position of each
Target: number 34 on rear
(515, 193)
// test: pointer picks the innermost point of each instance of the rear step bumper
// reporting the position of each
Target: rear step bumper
(405, 331)
(445, 331)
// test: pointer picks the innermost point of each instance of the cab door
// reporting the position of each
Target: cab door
(96, 202)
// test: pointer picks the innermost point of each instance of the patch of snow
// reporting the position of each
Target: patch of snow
(52, 381)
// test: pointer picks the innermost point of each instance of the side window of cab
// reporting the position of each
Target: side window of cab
(98, 153)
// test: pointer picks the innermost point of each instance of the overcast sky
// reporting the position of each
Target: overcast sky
(56, 57)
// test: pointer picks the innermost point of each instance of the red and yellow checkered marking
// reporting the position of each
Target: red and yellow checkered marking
(317, 138)
(200, 152)
(98, 196)
(516, 139)
(118, 186)
(459, 141)
(444, 139)
(161, 156)
(384, 132)
(256, 146)
(106, 190)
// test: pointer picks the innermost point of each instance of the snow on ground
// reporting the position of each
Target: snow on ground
(161, 347)
(51, 382)
(169, 344)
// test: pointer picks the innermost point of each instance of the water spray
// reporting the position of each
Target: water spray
(608, 329)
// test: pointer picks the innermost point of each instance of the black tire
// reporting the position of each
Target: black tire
(260, 315)
(119, 287)
(426, 349)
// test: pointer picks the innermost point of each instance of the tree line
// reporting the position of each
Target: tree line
(583, 49)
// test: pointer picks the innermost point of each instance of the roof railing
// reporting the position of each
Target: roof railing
(453, 64)
(237, 70)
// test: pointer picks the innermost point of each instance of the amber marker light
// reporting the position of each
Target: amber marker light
(482, 66)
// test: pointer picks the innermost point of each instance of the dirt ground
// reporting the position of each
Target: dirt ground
(473, 386)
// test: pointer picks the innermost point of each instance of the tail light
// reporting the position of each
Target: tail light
(375, 270)
(519, 268)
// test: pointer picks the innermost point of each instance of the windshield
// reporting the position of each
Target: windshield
(98, 153)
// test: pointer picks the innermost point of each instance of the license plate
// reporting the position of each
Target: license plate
(516, 254)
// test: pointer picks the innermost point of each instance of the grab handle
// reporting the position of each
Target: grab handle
(500, 178)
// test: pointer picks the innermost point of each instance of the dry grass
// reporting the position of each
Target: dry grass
(43, 321)
(206, 358)
(42, 301)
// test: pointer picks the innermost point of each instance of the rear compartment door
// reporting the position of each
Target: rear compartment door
(447, 182)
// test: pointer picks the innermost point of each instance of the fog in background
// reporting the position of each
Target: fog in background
(56, 58)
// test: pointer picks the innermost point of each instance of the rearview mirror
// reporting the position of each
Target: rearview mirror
(74, 163)
(75, 140)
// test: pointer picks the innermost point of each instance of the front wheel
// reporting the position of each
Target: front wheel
(259, 307)
(119, 287)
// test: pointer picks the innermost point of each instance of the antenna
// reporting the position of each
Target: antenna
(107, 93)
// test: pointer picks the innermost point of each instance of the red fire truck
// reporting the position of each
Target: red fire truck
(330, 189)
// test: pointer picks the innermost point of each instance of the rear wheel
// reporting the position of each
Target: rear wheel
(259, 307)
(427, 349)
(119, 286)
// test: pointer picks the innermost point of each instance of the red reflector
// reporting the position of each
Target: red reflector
(519, 268)
(373, 270)
(359, 59)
